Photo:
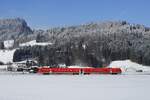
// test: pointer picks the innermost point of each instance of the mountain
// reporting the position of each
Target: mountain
(14, 29)
(93, 44)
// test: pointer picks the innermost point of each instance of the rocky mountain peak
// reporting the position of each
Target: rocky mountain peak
(13, 28)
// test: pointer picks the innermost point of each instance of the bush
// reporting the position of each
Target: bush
(1, 63)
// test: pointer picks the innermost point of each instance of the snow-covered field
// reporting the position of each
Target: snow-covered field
(74, 87)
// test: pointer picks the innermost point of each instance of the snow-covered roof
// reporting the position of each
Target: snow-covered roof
(75, 66)
(8, 43)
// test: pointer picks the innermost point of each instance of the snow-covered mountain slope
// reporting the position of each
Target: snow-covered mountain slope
(15, 28)
(6, 55)
(33, 42)
(129, 66)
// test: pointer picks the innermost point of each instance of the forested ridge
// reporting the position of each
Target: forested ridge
(93, 44)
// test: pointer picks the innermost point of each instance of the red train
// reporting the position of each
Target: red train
(76, 71)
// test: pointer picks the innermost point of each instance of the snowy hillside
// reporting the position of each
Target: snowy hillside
(6, 55)
(33, 42)
(129, 66)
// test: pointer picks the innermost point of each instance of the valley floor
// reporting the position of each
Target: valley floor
(74, 87)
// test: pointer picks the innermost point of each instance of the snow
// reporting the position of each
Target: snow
(84, 46)
(7, 55)
(74, 87)
(33, 42)
(25, 61)
(8, 43)
(17, 86)
(127, 65)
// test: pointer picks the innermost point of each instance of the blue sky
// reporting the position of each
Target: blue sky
(52, 13)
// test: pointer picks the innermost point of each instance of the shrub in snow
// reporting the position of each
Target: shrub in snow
(1, 63)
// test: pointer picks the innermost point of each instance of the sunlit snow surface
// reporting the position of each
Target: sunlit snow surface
(33, 43)
(74, 87)
(128, 66)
